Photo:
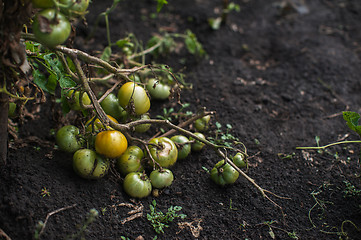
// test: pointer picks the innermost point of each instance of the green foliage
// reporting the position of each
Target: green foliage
(223, 138)
(48, 70)
(169, 114)
(160, 4)
(350, 190)
(160, 220)
(192, 44)
(352, 120)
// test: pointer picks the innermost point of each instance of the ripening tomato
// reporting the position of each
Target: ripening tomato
(68, 139)
(163, 151)
(42, 3)
(240, 160)
(88, 164)
(157, 89)
(98, 125)
(133, 97)
(202, 124)
(137, 185)
(111, 106)
(111, 143)
(224, 174)
(130, 160)
(74, 100)
(161, 178)
(197, 145)
(184, 147)
(51, 28)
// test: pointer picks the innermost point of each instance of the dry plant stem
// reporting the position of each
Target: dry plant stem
(52, 213)
(328, 145)
(189, 121)
(4, 235)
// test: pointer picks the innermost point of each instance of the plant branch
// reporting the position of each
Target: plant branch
(328, 145)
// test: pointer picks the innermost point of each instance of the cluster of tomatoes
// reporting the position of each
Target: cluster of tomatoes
(51, 25)
(104, 144)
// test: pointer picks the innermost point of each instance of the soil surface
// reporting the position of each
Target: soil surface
(280, 77)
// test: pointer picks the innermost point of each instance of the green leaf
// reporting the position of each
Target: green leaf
(352, 119)
(160, 4)
(106, 53)
(215, 23)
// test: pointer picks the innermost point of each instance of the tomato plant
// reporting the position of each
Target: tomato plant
(137, 185)
(134, 98)
(161, 178)
(183, 145)
(68, 138)
(202, 124)
(224, 174)
(74, 100)
(90, 165)
(111, 106)
(130, 160)
(51, 28)
(111, 143)
(197, 145)
(240, 160)
(163, 151)
(157, 89)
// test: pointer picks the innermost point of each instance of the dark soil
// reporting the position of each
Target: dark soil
(280, 78)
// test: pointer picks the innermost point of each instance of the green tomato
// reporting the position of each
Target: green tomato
(12, 108)
(161, 179)
(74, 7)
(240, 160)
(130, 160)
(111, 107)
(184, 148)
(158, 90)
(74, 100)
(133, 97)
(142, 127)
(88, 164)
(42, 3)
(197, 145)
(67, 139)
(51, 28)
(137, 185)
(224, 174)
(164, 152)
(202, 124)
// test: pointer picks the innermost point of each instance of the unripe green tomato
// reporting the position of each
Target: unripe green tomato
(158, 90)
(42, 3)
(165, 152)
(130, 160)
(202, 124)
(88, 164)
(111, 106)
(68, 139)
(97, 125)
(56, 30)
(142, 127)
(74, 100)
(134, 98)
(240, 160)
(197, 145)
(161, 179)
(137, 185)
(224, 174)
(12, 108)
(76, 7)
(183, 149)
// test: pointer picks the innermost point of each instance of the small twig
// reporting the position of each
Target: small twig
(52, 213)
(3, 234)
(328, 145)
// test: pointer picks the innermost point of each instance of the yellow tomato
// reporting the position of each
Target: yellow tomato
(111, 143)
(131, 95)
